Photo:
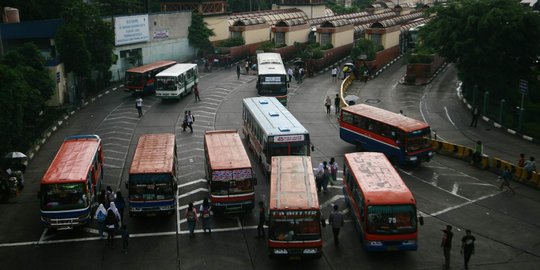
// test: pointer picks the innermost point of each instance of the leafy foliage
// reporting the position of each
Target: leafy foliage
(232, 42)
(365, 47)
(199, 33)
(492, 42)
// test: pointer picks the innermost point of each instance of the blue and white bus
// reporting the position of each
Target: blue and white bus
(272, 77)
(271, 130)
(177, 81)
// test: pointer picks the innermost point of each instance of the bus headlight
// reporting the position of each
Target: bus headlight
(431, 154)
(412, 158)
(375, 243)
(280, 251)
(310, 251)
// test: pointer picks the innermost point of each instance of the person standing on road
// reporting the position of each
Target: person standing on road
(111, 223)
(521, 161)
(190, 119)
(238, 71)
(191, 218)
(333, 171)
(336, 220)
(478, 152)
(322, 177)
(334, 74)
(206, 215)
(101, 214)
(138, 105)
(446, 245)
(196, 92)
(120, 203)
(475, 114)
(337, 103)
(328, 104)
(505, 180)
(467, 247)
(262, 221)
(529, 167)
(290, 73)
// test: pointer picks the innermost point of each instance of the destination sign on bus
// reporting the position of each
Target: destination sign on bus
(272, 79)
(225, 175)
(289, 138)
(293, 213)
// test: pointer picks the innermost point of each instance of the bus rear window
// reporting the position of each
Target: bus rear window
(134, 79)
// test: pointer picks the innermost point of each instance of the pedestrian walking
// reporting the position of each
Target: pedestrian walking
(366, 75)
(262, 221)
(184, 122)
(337, 103)
(475, 114)
(334, 73)
(529, 167)
(101, 197)
(296, 73)
(196, 92)
(301, 74)
(322, 177)
(467, 247)
(109, 196)
(505, 180)
(238, 71)
(125, 239)
(328, 104)
(190, 119)
(333, 171)
(120, 203)
(138, 105)
(478, 153)
(114, 209)
(336, 220)
(191, 218)
(101, 214)
(111, 224)
(247, 67)
(290, 73)
(521, 161)
(446, 245)
(206, 215)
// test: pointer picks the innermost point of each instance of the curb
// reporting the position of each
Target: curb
(60, 121)
(490, 121)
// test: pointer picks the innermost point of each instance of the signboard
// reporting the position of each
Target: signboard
(130, 29)
(161, 34)
(293, 213)
(289, 138)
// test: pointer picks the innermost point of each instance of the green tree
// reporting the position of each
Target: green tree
(493, 43)
(85, 42)
(31, 10)
(199, 33)
(121, 7)
(364, 48)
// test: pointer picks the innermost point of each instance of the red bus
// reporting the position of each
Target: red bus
(402, 139)
(141, 80)
(68, 190)
(294, 213)
(152, 176)
(383, 208)
(229, 173)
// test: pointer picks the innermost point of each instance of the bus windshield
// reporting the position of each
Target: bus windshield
(282, 149)
(148, 187)
(166, 83)
(295, 229)
(134, 79)
(273, 85)
(391, 219)
(232, 187)
(63, 196)
(419, 139)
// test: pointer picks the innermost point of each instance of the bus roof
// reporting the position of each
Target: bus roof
(379, 181)
(402, 122)
(292, 184)
(270, 63)
(154, 154)
(73, 160)
(151, 66)
(225, 150)
(176, 70)
(273, 117)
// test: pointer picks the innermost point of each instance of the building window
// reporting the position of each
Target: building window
(124, 54)
(325, 38)
(376, 38)
(280, 38)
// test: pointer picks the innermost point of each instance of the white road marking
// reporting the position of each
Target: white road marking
(192, 183)
(448, 116)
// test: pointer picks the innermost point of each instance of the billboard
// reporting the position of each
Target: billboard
(130, 29)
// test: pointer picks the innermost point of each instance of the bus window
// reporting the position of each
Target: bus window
(391, 219)
(347, 117)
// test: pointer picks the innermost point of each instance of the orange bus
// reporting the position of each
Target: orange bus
(294, 213)
(230, 177)
(142, 80)
(68, 190)
(383, 208)
(152, 176)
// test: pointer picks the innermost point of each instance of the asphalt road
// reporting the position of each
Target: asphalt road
(448, 191)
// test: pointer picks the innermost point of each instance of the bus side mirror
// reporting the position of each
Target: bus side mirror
(421, 220)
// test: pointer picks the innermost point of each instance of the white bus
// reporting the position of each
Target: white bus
(176, 81)
(272, 76)
(271, 130)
